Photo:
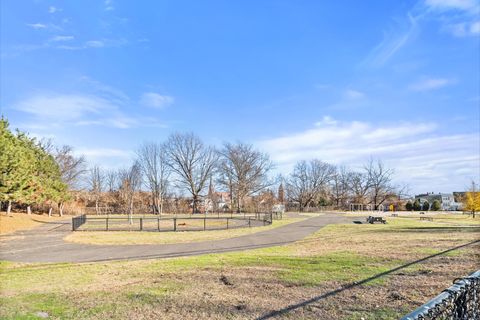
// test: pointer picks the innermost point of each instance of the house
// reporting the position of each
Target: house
(447, 200)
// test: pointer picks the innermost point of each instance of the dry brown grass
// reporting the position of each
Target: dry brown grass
(23, 221)
(133, 238)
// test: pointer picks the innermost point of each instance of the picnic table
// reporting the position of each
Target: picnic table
(426, 218)
(372, 220)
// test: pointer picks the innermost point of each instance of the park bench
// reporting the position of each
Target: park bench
(372, 220)
(426, 218)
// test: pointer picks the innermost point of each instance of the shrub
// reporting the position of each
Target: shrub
(409, 205)
(436, 205)
(426, 206)
(417, 206)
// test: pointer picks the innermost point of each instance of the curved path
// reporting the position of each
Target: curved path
(46, 244)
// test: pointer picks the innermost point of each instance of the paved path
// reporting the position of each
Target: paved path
(46, 244)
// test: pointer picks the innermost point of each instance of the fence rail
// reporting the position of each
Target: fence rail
(174, 223)
(459, 302)
(78, 221)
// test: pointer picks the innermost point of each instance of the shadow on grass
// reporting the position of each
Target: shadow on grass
(351, 285)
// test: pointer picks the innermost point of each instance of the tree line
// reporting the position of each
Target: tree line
(38, 172)
(29, 173)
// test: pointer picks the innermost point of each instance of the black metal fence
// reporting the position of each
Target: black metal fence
(78, 221)
(172, 223)
(459, 302)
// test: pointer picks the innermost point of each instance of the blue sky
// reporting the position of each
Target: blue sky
(341, 81)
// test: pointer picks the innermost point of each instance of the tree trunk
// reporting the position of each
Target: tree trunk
(96, 206)
(194, 206)
(61, 209)
(50, 212)
(9, 207)
(161, 206)
(29, 210)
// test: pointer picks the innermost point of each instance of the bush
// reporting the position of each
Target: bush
(409, 205)
(417, 206)
(426, 206)
(436, 205)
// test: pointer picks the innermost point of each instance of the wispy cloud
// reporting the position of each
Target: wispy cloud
(66, 110)
(95, 104)
(37, 26)
(108, 5)
(53, 9)
(62, 38)
(431, 84)
(457, 17)
(415, 150)
(393, 41)
(155, 100)
(109, 158)
(354, 94)
(443, 5)
(95, 44)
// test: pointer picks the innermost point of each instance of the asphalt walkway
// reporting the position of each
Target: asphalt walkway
(45, 243)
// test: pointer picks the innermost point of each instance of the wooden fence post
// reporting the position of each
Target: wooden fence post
(174, 224)
(204, 223)
(158, 224)
(106, 224)
(141, 224)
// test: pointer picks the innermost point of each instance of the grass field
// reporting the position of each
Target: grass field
(252, 283)
(137, 237)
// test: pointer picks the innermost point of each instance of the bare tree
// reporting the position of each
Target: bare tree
(359, 187)
(96, 182)
(307, 181)
(340, 186)
(111, 180)
(244, 170)
(130, 179)
(72, 167)
(153, 163)
(379, 182)
(192, 162)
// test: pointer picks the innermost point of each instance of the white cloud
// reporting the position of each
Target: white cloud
(109, 5)
(417, 153)
(392, 42)
(62, 38)
(463, 29)
(430, 84)
(326, 121)
(451, 4)
(53, 9)
(64, 107)
(37, 26)
(354, 94)
(155, 100)
(108, 158)
(77, 110)
(475, 28)
(95, 44)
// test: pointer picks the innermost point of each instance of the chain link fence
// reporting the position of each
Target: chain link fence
(459, 302)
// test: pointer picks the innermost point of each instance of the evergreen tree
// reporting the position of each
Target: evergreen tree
(426, 206)
(28, 174)
(417, 206)
(436, 205)
(409, 205)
